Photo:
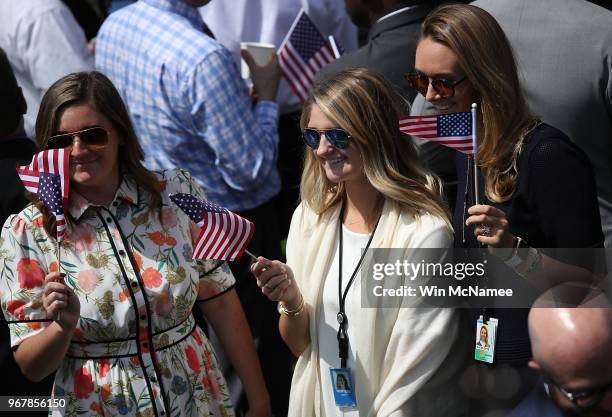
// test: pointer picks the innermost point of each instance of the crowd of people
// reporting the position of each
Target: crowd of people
(147, 98)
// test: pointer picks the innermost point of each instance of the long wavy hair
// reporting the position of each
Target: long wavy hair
(361, 102)
(99, 92)
(486, 58)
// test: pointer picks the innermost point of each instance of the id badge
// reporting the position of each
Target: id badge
(486, 333)
(342, 384)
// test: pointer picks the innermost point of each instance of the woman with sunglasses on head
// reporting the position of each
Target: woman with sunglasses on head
(362, 187)
(539, 188)
(114, 319)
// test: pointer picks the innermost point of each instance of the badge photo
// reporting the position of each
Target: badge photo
(485, 340)
(342, 384)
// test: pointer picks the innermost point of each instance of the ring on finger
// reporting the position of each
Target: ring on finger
(485, 230)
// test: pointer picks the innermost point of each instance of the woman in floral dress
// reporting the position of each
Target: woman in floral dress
(114, 317)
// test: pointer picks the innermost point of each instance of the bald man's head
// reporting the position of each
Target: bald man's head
(571, 341)
(573, 347)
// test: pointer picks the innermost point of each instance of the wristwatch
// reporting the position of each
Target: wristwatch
(519, 254)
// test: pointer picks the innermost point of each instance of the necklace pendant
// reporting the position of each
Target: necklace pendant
(341, 317)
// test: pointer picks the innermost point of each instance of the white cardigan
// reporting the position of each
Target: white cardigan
(398, 350)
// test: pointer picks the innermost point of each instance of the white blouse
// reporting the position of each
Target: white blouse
(353, 244)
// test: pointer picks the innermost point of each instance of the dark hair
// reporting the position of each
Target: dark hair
(12, 105)
(341, 380)
(97, 90)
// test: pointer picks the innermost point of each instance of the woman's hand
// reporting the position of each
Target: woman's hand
(492, 229)
(59, 298)
(276, 281)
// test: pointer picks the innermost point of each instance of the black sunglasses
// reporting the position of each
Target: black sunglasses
(586, 398)
(442, 86)
(338, 138)
(95, 137)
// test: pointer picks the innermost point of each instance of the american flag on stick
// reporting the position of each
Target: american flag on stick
(303, 53)
(224, 235)
(454, 130)
(48, 176)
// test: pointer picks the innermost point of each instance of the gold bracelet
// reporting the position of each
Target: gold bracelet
(292, 313)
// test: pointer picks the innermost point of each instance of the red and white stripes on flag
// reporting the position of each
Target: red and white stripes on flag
(303, 53)
(224, 235)
(454, 130)
(48, 176)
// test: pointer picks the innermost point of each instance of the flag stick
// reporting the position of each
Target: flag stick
(59, 268)
(475, 160)
(251, 255)
(334, 46)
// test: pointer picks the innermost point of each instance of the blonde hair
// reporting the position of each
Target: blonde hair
(485, 56)
(364, 104)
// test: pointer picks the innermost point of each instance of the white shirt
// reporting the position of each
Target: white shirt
(269, 21)
(353, 244)
(43, 42)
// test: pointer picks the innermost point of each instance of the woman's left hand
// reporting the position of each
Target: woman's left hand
(491, 227)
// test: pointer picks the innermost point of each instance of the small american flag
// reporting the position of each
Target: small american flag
(453, 130)
(48, 176)
(224, 236)
(303, 53)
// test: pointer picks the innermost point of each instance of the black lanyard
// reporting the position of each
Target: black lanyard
(343, 340)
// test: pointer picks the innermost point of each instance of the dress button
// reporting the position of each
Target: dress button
(109, 220)
(143, 317)
(153, 379)
(121, 252)
(134, 284)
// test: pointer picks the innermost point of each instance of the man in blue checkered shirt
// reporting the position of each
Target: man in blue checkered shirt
(189, 105)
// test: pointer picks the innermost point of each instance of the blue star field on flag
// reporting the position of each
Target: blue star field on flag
(455, 124)
(50, 192)
(194, 207)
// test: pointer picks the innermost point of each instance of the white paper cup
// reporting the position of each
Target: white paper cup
(261, 53)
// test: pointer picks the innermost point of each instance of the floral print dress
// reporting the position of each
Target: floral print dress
(136, 350)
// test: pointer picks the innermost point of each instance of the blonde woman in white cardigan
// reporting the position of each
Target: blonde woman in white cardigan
(362, 186)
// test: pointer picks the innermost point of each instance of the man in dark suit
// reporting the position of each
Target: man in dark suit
(565, 58)
(393, 30)
(15, 148)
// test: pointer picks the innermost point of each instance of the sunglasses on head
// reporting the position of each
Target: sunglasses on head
(442, 86)
(95, 137)
(337, 137)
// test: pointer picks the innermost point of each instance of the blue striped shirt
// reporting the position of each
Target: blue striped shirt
(188, 103)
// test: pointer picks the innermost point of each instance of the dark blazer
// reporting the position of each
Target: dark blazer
(12, 151)
(390, 50)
